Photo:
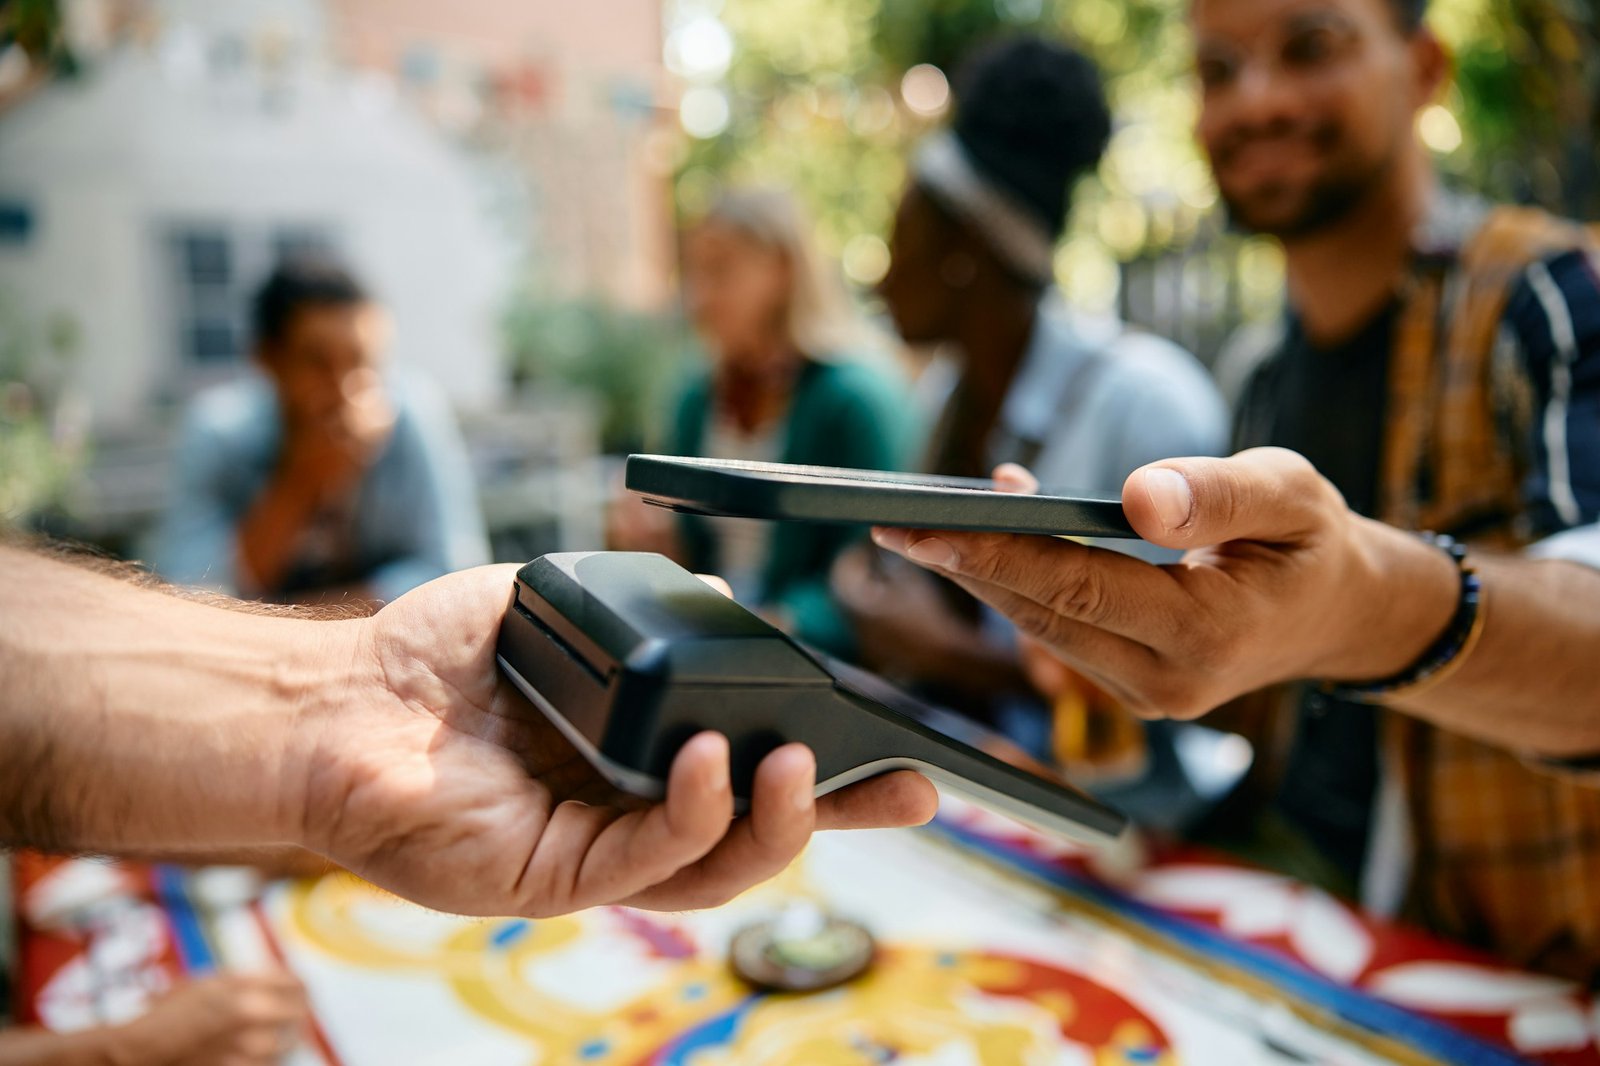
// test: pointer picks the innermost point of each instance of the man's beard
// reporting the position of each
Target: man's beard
(1325, 204)
(1328, 201)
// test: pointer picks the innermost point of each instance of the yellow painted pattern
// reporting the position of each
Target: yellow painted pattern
(917, 1000)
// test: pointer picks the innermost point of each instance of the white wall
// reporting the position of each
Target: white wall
(150, 137)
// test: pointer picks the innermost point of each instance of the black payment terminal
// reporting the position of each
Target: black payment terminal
(629, 655)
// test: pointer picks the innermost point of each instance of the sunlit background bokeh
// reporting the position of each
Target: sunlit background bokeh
(511, 176)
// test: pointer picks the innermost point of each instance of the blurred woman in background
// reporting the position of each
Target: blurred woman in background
(790, 380)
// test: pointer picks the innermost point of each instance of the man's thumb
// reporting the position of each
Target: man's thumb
(1265, 494)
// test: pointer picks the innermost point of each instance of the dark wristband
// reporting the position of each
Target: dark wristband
(1458, 637)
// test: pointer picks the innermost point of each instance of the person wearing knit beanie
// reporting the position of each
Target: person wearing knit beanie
(1020, 376)
(1031, 119)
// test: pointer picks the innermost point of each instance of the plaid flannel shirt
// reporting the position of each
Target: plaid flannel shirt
(1493, 436)
(1494, 433)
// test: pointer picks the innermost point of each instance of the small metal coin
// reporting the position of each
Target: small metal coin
(802, 950)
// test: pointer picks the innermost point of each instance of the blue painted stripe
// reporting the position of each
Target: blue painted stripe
(194, 952)
(1375, 1015)
(715, 1033)
(509, 933)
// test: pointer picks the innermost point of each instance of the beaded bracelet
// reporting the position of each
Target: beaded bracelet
(1444, 655)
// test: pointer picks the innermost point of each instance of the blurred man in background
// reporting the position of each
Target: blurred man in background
(321, 479)
(324, 478)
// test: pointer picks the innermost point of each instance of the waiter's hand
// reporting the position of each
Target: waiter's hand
(1280, 580)
(431, 776)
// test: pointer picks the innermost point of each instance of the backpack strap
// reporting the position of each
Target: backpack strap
(1025, 449)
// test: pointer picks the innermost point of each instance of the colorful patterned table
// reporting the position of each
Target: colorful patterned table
(997, 946)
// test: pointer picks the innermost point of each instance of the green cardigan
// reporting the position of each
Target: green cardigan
(842, 414)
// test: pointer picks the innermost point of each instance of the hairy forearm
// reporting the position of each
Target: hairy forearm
(133, 719)
(1532, 683)
(269, 860)
(353, 600)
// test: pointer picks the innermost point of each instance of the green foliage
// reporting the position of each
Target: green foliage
(628, 361)
(908, 32)
(1528, 96)
(34, 474)
(37, 463)
(36, 27)
(814, 103)
(810, 109)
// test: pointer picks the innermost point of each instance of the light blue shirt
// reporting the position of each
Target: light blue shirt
(1102, 400)
(1094, 401)
(415, 515)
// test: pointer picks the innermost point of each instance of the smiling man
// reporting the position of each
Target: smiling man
(1439, 365)
(1427, 368)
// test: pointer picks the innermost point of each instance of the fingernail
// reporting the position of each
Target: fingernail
(893, 540)
(1170, 495)
(804, 794)
(802, 789)
(719, 773)
(933, 552)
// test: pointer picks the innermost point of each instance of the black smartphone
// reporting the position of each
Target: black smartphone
(786, 492)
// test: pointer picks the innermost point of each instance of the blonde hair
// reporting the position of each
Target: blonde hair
(821, 324)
